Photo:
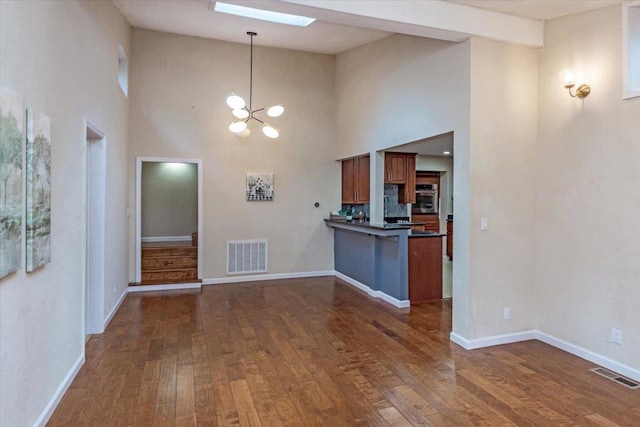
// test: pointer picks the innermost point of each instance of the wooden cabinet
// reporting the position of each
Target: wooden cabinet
(425, 269)
(355, 180)
(431, 221)
(400, 168)
(395, 168)
(450, 240)
(410, 184)
(423, 177)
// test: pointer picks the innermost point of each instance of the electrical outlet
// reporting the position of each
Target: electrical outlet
(506, 314)
(484, 223)
(616, 336)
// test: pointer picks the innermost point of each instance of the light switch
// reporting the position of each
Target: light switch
(484, 223)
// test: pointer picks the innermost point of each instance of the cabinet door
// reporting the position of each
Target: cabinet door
(362, 177)
(349, 181)
(410, 186)
(395, 168)
(425, 269)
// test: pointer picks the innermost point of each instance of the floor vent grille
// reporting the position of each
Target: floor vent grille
(627, 382)
(246, 256)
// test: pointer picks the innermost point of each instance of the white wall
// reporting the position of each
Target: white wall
(62, 57)
(588, 191)
(179, 111)
(169, 199)
(502, 173)
(403, 89)
(398, 90)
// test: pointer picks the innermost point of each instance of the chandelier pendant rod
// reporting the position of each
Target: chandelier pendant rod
(252, 34)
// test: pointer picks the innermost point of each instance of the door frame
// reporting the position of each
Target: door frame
(94, 242)
(139, 161)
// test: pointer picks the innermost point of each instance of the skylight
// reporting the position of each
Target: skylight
(263, 15)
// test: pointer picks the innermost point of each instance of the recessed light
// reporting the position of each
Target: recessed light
(263, 15)
(446, 153)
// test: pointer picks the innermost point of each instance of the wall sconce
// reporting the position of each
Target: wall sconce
(582, 91)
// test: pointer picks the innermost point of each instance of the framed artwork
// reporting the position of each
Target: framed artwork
(11, 149)
(38, 201)
(259, 186)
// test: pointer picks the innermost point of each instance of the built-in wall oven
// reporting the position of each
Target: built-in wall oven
(426, 199)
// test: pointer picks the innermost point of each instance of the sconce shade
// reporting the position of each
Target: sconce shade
(275, 111)
(235, 102)
(568, 79)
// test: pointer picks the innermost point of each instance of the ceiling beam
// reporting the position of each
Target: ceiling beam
(433, 18)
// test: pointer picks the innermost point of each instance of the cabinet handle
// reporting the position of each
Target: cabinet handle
(355, 197)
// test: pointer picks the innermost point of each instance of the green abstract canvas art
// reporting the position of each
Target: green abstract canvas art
(11, 149)
(38, 201)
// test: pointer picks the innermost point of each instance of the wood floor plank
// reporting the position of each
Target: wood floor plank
(316, 352)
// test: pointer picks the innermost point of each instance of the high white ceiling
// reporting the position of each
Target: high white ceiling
(193, 18)
(344, 25)
(541, 10)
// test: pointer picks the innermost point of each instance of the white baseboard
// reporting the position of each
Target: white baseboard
(260, 277)
(165, 239)
(161, 287)
(583, 353)
(115, 308)
(589, 355)
(473, 344)
(376, 294)
(45, 415)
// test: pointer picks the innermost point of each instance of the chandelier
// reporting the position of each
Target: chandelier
(245, 113)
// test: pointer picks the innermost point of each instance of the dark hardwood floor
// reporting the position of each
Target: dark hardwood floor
(317, 352)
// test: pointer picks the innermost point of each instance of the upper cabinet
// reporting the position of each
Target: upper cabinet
(410, 186)
(395, 168)
(400, 168)
(355, 180)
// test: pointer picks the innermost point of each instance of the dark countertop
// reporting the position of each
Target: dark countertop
(356, 223)
(417, 233)
(386, 227)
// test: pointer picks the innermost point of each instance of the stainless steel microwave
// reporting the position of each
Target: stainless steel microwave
(426, 199)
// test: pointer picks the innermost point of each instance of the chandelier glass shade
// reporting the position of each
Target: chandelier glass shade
(245, 113)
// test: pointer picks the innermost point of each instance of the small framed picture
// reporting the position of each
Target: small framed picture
(259, 186)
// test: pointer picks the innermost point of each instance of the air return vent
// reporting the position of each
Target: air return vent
(616, 377)
(246, 256)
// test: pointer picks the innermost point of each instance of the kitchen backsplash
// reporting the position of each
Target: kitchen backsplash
(357, 209)
(392, 207)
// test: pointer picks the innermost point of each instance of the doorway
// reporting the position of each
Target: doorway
(95, 253)
(168, 221)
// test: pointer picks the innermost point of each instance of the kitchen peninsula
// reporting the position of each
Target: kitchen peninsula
(391, 262)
